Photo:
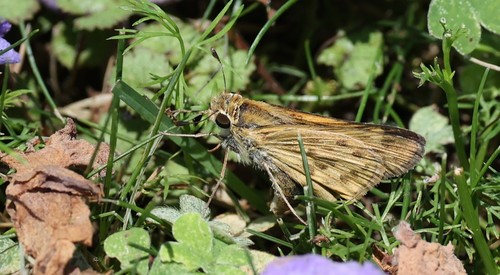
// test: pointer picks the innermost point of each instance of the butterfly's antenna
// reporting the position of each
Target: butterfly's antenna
(172, 114)
(214, 54)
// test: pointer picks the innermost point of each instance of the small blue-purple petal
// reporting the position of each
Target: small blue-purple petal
(11, 56)
(50, 4)
(313, 264)
(4, 27)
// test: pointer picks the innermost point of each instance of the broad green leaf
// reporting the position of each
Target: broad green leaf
(194, 243)
(175, 172)
(81, 6)
(321, 87)
(118, 246)
(166, 213)
(204, 83)
(232, 255)
(470, 78)
(192, 204)
(9, 256)
(17, 11)
(166, 43)
(140, 63)
(191, 230)
(191, 259)
(102, 20)
(102, 14)
(355, 62)
(92, 52)
(161, 268)
(226, 270)
(488, 13)
(223, 232)
(335, 55)
(434, 127)
(260, 260)
(458, 14)
(227, 259)
(262, 224)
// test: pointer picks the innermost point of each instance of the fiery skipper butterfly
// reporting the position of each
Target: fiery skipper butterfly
(346, 159)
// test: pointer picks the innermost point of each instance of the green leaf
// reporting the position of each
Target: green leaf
(226, 270)
(9, 256)
(102, 20)
(13, 98)
(227, 259)
(102, 14)
(17, 11)
(118, 246)
(470, 78)
(434, 127)
(335, 54)
(183, 254)
(194, 243)
(487, 11)
(194, 232)
(169, 45)
(237, 75)
(232, 255)
(141, 63)
(222, 232)
(187, 203)
(161, 268)
(78, 7)
(166, 213)
(91, 52)
(353, 62)
(458, 14)
(192, 204)
(260, 260)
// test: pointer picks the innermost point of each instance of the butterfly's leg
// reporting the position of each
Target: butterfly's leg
(222, 176)
(284, 191)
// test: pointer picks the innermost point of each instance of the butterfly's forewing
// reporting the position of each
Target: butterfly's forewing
(340, 166)
(400, 149)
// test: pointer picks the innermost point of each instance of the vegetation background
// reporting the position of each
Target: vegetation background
(116, 67)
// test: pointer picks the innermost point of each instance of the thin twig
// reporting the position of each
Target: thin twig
(483, 63)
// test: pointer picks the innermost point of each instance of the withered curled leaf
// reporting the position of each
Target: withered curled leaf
(47, 201)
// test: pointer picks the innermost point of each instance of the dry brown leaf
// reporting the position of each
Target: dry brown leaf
(416, 256)
(384, 260)
(46, 200)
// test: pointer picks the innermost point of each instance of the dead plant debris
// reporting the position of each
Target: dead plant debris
(416, 256)
(47, 201)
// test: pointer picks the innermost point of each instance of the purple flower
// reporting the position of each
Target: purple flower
(50, 4)
(11, 56)
(314, 264)
(4, 28)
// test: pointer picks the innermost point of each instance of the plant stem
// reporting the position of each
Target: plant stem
(472, 219)
(6, 76)
(451, 96)
(310, 210)
(38, 76)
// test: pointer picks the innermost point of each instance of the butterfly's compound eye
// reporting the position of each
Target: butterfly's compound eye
(223, 121)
